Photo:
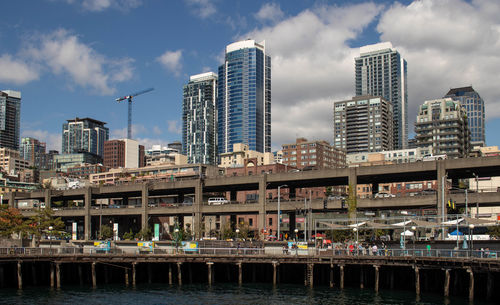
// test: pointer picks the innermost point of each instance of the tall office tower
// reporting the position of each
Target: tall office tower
(381, 71)
(442, 128)
(199, 119)
(474, 105)
(363, 124)
(244, 97)
(10, 117)
(33, 150)
(84, 135)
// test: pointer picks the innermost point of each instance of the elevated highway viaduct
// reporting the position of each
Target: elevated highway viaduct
(452, 169)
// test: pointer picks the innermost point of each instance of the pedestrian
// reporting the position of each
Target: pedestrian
(375, 249)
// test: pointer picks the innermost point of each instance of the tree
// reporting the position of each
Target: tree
(494, 231)
(144, 234)
(339, 235)
(39, 224)
(351, 202)
(128, 235)
(227, 231)
(244, 229)
(11, 221)
(106, 232)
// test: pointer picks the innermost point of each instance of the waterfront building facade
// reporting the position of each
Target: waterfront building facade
(84, 135)
(382, 71)
(240, 153)
(244, 97)
(199, 130)
(312, 154)
(442, 128)
(474, 106)
(10, 118)
(11, 161)
(363, 124)
(164, 155)
(123, 153)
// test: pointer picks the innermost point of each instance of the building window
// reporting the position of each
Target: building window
(270, 221)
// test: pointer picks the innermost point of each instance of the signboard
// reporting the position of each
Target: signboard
(115, 231)
(102, 246)
(74, 230)
(157, 232)
(146, 246)
(190, 246)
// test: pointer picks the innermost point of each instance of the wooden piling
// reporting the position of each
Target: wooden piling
(210, 277)
(377, 277)
(58, 275)
(331, 275)
(51, 275)
(94, 278)
(341, 276)
(471, 284)
(179, 272)
(240, 274)
(133, 274)
(417, 280)
(19, 276)
(446, 282)
(169, 273)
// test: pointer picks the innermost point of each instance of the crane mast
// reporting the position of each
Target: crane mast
(129, 99)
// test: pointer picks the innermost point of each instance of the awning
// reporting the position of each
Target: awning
(478, 221)
(357, 225)
(401, 224)
(452, 222)
(376, 225)
(332, 225)
(423, 223)
(407, 233)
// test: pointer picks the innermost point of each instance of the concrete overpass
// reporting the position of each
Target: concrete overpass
(453, 169)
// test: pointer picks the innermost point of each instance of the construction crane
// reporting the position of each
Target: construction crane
(129, 99)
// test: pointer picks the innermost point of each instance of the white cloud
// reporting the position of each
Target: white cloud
(171, 60)
(312, 66)
(174, 127)
(270, 12)
(157, 130)
(64, 54)
(16, 71)
(137, 129)
(53, 140)
(447, 43)
(102, 5)
(202, 8)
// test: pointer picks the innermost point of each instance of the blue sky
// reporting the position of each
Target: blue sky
(73, 58)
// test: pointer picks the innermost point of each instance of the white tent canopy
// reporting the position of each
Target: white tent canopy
(401, 224)
(453, 222)
(357, 225)
(407, 233)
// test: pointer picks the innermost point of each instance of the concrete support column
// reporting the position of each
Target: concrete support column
(240, 274)
(275, 264)
(144, 205)
(12, 199)
(262, 205)
(197, 205)
(58, 275)
(489, 286)
(341, 276)
(87, 222)
(169, 273)
(447, 282)
(377, 277)
(47, 198)
(80, 274)
(353, 186)
(210, 276)
(134, 272)
(361, 278)
(442, 197)
(471, 284)
(94, 278)
(179, 272)
(51, 275)
(417, 281)
(331, 275)
(19, 275)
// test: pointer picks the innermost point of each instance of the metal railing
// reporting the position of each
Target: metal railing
(271, 251)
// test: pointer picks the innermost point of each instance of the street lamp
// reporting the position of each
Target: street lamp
(176, 231)
(237, 232)
(471, 238)
(279, 210)
(477, 199)
(50, 238)
(356, 231)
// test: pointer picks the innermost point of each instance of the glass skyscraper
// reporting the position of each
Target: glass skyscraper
(381, 71)
(10, 117)
(244, 97)
(84, 135)
(199, 119)
(34, 151)
(474, 106)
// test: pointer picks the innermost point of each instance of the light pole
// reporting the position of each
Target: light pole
(210, 228)
(176, 231)
(295, 240)
(100, 221)
(477, 198)
(442, 206)
(279, 210)
(237, 232)
(50, 238)
(471, 238)
(356, 231)
(414, 229)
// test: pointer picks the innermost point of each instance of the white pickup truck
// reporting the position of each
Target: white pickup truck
(431, 157)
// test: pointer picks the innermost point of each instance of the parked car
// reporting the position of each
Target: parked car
(384, 195)
(335, 197)
(217, 201)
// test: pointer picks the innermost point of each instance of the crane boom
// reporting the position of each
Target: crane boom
(129, 99)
